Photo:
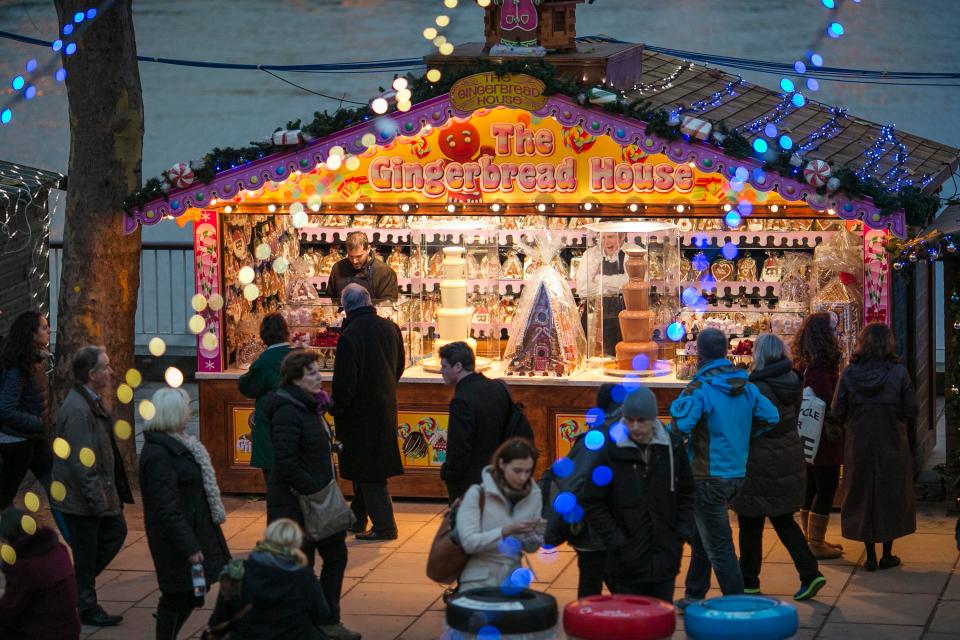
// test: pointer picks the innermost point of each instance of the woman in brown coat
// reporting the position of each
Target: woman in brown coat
(875, 401)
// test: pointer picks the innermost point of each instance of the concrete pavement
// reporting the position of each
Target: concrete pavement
(387, 595)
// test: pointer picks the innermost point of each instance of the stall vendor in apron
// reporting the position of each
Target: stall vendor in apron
(362, 267)
(604, 258)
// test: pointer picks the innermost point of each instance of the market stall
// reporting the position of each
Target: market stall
(570, 244)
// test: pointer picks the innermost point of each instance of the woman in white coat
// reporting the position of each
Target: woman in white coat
(496, 531)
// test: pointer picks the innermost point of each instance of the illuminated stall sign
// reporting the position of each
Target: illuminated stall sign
(510, 155)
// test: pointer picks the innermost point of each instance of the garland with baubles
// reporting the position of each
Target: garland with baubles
(918, 207)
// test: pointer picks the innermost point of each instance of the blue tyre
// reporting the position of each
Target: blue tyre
(740, 618)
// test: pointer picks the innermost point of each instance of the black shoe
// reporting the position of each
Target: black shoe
(870, 564)
(888, 562)
(371, 535)
(97, 617)
(358, 527)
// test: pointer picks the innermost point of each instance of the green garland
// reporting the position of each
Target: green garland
(918, 207)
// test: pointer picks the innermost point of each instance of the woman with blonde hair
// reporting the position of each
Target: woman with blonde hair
(182, 510)
(271, 594)
(775, 480)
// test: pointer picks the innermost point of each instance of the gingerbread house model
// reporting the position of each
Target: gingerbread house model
(552, 23)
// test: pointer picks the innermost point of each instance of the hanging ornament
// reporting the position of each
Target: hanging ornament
(951, 247)
(956, 325)
(180, 175)
(674, 119)
(955, 297)
(719, 137)
(796, 160)
(833, 184)
(816, 173)
(696, 128)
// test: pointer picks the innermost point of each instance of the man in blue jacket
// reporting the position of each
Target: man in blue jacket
(718, 411)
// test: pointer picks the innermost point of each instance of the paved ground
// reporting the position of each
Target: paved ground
(387, 596)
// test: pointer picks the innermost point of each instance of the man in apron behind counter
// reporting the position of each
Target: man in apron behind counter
(362, 267)
(606, 257)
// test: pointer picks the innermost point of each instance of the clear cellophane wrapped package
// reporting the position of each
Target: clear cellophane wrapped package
(839, 281)
(795, 284)
(546, 338)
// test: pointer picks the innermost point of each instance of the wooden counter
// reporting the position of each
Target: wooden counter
(555, 408)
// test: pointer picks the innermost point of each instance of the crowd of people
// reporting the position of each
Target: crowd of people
(631, 492)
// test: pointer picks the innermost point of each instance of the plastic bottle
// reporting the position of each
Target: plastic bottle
(199, 580)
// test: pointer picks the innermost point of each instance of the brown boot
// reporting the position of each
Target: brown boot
(804, 521)
(817, 529)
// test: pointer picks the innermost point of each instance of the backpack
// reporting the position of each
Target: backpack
(558, 530)
(517, 425)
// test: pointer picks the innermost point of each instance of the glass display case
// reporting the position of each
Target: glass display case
(629, 288)
(454, 270)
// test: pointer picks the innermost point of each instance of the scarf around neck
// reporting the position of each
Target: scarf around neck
(210, 487)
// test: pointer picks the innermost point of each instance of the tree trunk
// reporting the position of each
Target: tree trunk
(101, 265)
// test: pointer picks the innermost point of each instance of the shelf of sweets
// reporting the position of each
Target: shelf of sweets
(733, 285)
(505, 286)
(467, 237)
(719, 308)
(762, 239)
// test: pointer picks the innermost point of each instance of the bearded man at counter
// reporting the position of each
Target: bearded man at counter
(361, 266)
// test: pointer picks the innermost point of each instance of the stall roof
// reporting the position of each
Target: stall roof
(16, 179)
(690, 82)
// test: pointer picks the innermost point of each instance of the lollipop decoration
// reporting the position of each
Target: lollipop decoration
(180, 175)
(816, 173)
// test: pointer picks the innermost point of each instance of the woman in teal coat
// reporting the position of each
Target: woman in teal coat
(260, 381)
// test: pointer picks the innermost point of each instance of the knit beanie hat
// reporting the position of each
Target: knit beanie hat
(711, 345)
(641, 405)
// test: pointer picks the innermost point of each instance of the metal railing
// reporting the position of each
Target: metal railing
(163, 299)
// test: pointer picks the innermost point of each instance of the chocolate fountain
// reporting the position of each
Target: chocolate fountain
(636, 319)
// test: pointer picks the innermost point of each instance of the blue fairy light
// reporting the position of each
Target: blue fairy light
(631, 383)
(17, 83)
(5, 116)
(618, 394)
(770, 130)
(700, 262)
(79, 17)
(799, 66)
(759, 175)
(60, 75)
(510, 546)
(787, 85)
(70, 49)
(574, 516)
(700, 304)
(564, 502)
(91, 13)
(700, 240)
(812, 84)
(798, 100)
(786, 142)
(563, 467)
(829, 4)
(57, 45)
(488, 632)
(733, 219)
(594, 440)
(640, 362)
(736, 185)
(29, 92)
(31, 65)
(729, 249)
(67, 29)
(742, 174)
(835, 30)
(602, 475)
(744, 207)
(675, 332)
(595, 416)
(816, 59)
(689, 296)
(618, 432)
(521, 577)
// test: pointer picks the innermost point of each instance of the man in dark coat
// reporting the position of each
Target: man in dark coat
(93, 504)
(479, 411)
(639, 500)
(361, 266)
(370, 360)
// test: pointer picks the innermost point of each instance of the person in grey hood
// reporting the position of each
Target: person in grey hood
(875, 401)
(640, 499)
(775, 479)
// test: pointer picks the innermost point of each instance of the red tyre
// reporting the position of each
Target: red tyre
(619, 617)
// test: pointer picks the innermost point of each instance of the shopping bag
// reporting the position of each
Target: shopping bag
(813, 410)
(325, 512)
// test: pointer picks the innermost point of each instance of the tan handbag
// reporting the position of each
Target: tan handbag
(447, 558)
